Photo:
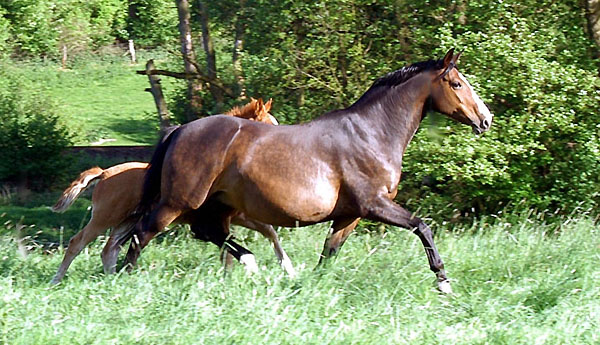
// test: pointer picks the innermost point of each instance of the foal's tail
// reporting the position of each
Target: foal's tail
(85, 180)
(152, 179)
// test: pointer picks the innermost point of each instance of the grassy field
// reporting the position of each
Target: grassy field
(101, 97)
(515, 282)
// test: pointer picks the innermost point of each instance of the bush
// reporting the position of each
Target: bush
(32, 136)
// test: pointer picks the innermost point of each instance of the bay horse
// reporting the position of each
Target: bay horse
(340, 167)
(118, 190)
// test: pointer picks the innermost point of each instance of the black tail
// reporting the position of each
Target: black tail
(152, 179)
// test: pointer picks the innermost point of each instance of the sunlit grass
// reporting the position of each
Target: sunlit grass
(102, 99)
(515, 283)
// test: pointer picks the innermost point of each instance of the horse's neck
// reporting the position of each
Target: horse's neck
(398, 114)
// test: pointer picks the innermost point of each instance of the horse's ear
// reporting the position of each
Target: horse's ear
(268, 105)
(252, 100)
(457, 56)
(448, 58)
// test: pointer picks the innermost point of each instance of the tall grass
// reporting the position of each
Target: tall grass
(517, 282)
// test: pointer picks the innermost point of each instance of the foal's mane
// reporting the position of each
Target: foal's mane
(398, 77)
(247, 111)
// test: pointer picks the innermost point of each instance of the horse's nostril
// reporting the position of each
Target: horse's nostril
(485, 124)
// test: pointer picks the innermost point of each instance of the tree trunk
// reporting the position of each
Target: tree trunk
(238, 46)
(64, 56)
(159, 99)
(194, 106)
(211, 59)
(592, 8)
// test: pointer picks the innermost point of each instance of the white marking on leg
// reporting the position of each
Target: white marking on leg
(249, 263)
(444, 286)
(287, 266)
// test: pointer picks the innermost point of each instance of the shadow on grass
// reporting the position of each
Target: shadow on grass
(139, 131)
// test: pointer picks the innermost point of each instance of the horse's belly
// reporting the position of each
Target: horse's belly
(291, 205)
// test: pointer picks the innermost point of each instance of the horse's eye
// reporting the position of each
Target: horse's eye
(455, 85)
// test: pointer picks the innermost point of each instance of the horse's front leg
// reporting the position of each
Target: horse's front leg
(340, 230)
(386, 211)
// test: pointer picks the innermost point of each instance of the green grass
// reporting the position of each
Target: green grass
(101, 97)
(518, 282)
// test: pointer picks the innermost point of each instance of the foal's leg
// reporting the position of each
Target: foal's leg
(267, 231)
(86, 235)
(387, 211)
(144, 232)
(340, 230)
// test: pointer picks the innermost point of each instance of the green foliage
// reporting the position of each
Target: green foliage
(40, 28)
(153, 22)
(543, 147)
(32, 136)
(518, 282)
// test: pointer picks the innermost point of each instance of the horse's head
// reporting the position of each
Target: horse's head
(255, 110)
(453, 95)
(261, 111)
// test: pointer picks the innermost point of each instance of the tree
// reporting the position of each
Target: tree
(593, 19)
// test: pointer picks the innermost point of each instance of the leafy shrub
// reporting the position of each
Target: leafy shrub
(32, 136)
(540, 80)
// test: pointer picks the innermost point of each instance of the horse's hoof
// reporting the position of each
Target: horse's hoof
(55, 281)
(249, 262)
(444, 286)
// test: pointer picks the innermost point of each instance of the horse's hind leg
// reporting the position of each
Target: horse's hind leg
(211, 223)
(340, 230)
(159, 218)
(86, 235)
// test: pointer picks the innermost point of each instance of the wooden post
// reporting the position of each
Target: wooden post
(64, 56)
(159, 100)
(132, 51)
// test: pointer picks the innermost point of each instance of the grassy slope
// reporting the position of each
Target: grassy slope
(514, 284)
(100, 98)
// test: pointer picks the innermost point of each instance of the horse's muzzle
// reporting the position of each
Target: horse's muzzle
(483, 126)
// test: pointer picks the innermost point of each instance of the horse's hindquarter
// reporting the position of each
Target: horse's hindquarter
(195, 159)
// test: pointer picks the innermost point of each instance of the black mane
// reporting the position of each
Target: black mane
(398, 77)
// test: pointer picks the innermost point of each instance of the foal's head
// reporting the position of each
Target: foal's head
(255, 110)
(453, 95)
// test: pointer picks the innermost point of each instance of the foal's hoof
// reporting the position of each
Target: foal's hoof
(249, 262)
(444, 286)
